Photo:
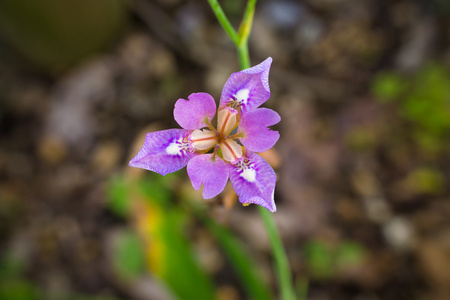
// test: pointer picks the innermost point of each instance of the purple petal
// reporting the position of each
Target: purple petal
(212, 173)
(248, 88)
(164, 151)
(257, 137)
(253, 180)
(191, 114)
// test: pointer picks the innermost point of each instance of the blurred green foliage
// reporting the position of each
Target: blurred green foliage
(424, 181)
(241, 262)
(361, 139)
(161, 224)
(84, 297)
(128, 255)
(55, 34)
(13, 285)
(118, 201)
(326, 260)
(160, 242)
(388, 86)
(18, 289)
(423, 101)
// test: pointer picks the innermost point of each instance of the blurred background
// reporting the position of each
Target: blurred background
(363, 162)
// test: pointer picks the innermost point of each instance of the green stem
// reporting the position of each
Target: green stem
(223, 20)
(281, 261)
(247, 21)
(243, 55)
(244, 33)
(240, 40)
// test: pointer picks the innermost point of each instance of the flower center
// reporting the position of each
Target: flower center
(204, 139)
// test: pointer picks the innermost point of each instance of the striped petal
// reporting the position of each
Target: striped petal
(212, 173)
(191, 114)
(247, 89)
(164, 151)
(256, 134)
(253, 180)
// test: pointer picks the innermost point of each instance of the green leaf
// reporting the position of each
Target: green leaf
(155, 190)
(176, 263)
(89, 297)
(241, 262)
(320, 259)
(183, 273)
(388, 86)
(350, 254)
(12, 264)
(128, 255)
(18, 289)
(426, 181)
(118, 199)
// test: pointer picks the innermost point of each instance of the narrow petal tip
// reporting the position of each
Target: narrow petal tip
(263, 68)
(248, 88)
(253, 180)
(163, 152)
(270, 206)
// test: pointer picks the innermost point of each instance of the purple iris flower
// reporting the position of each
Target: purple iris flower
(215, 154)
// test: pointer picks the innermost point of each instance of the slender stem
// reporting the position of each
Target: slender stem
(243, 55)
(223, 20)
(244, 33)
(246, 25)
(240, 40)
(281, 262)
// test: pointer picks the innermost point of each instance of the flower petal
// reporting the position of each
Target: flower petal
(164, 151)
(257, 137)
(191, 114)
(248, 88)
(213, 173)
(253, 180)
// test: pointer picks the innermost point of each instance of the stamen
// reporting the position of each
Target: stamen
(237, 135)
(210, 126)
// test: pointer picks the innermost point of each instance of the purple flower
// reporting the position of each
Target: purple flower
(214, 155)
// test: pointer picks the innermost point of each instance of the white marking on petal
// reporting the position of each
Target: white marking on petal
(174, 148)
(249, 174)
(242, 96)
